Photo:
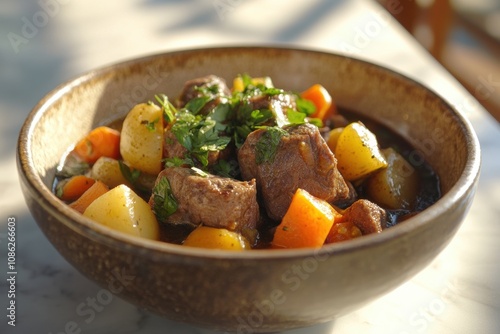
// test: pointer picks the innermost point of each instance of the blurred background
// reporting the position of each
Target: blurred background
(463, 35)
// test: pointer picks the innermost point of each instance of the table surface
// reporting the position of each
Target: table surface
(48, 42)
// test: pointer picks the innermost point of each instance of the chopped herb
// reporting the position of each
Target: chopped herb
(295, 117)
(130, 174)
(226, 168)
(168, 108)
(220, 114)
(196, 104)
(178, 162)
(199, 135)
(209, 89)
(247, 80)
(315, 121)
(268, 143)
(151, 126)
(304, 106)
(164, 202)
(248, 120)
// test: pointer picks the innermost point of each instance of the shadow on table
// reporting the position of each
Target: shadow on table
(217, 14)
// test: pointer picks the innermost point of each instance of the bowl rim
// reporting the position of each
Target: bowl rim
(116, 239)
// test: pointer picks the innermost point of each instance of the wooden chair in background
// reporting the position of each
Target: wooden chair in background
(436, 24)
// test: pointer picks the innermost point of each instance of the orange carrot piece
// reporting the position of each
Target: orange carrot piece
(318, 95)
(343, 231)
(96, 190)
(72, 188)
(306, 223)
(100, 142)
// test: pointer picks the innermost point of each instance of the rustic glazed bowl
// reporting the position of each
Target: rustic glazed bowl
(253, 291)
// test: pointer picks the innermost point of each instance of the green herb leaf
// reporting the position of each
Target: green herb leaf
(267, 145)
(199, 135)
(315, 121)
(164, 202)
(151, 126)
(178, 162)
(209, 89)
(196, 104)
(169, 110)
(304, 106)
(227, 168)
(295, 117)
(131, 175)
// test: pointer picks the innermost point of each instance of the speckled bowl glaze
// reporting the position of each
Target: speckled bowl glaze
(253, 291)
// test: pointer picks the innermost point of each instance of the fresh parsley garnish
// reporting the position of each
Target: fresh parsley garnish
(248, 120)
(169, 110)
(304, 106)
(196, 104)
(267, 145)
(164, 202)
(295, 117)
(226, 168)
(178, 162)
(199, 135)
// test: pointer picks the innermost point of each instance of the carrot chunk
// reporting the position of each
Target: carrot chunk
(96, 190)
(318, 95)
(343, 231)
(100, 142)
(72, 188)
(306, 223)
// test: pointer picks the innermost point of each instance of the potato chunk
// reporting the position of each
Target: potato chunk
(107, 170)
(216, 238)
(395, 187)
(141, 143)
(357, 152)
(123, 210)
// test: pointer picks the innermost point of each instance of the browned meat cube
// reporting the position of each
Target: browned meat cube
(302, 160)
(210, 86)
(366, 215)
(211, 200)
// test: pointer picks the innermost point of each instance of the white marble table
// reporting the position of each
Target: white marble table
(47, 42)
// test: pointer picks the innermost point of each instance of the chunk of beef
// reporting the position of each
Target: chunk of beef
(211, 86)
(302, 160)
(211, 200)
(366, 215)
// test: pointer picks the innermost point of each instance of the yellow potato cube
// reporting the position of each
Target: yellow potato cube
(357, 152)
(123, 210)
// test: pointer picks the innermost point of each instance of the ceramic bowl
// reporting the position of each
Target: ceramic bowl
(253, 291)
